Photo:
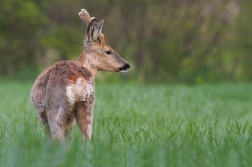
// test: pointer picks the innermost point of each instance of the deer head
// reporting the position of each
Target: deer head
(97, 55)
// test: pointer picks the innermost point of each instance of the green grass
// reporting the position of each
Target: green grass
(136, 125)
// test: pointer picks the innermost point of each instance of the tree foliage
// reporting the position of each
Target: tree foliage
(191, 41)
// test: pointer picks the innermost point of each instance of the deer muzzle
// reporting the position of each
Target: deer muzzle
(124, 68)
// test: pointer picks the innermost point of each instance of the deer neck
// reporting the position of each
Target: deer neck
(87, 63)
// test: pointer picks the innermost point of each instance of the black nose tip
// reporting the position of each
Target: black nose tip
(125, 67)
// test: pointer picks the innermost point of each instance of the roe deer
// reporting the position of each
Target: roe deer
(64, 93)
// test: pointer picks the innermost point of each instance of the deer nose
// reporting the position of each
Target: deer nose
(124, 68)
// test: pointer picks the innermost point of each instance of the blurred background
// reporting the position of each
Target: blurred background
(175, 41)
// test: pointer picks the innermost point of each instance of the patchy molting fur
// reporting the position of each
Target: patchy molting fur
(57, 92)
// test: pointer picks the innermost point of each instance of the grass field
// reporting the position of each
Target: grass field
(136, 125)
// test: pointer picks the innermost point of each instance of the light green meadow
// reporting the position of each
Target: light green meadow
(134, 126)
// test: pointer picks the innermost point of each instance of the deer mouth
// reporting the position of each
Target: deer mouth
(124, 68)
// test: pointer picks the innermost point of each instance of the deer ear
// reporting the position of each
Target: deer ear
(100, 26)
(93, 30)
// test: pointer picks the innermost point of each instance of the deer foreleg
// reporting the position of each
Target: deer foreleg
(84, 118)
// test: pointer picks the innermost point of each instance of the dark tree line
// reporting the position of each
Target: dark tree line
(174, 40)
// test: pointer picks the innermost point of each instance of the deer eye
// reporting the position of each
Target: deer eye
(108, 52)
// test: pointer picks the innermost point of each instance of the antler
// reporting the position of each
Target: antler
(94, 27)
(85, 17)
